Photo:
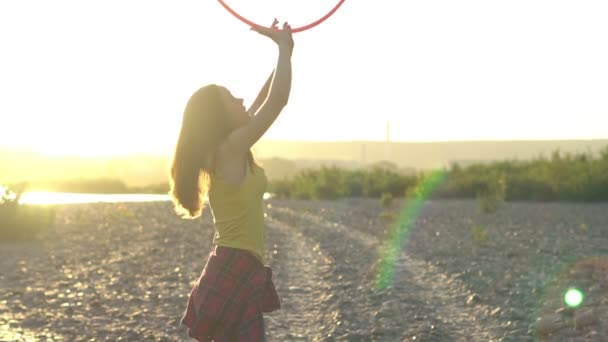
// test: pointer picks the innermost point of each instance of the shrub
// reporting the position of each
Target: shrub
(479, 235)
(386, 199)
(491, 192)
(21, 221)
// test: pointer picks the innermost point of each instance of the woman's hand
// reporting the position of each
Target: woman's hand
(282, 37)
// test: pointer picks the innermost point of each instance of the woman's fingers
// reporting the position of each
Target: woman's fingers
(266, 30)
(287, 37)
(281, 36)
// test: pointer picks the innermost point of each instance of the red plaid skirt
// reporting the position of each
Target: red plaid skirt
(228, 300)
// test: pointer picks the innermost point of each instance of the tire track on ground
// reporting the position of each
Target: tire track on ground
(300, 272)
(421, 301)
(347, 278)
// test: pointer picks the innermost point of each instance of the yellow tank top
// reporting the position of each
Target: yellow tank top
(238, 211)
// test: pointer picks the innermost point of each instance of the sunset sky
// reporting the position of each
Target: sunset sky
(112, 77)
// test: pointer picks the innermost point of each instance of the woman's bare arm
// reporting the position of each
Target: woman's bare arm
(261, 95)
(241, 139)
(263, 92)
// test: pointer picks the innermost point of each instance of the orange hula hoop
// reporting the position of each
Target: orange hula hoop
(297, 29)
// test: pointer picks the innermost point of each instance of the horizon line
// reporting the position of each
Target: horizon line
(24, 149)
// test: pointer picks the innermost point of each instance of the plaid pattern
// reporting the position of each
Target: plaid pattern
(228, 300)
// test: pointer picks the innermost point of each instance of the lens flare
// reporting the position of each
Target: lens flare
(573, 297)
(409, 213)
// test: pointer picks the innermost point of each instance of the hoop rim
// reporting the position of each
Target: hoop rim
(297, 29)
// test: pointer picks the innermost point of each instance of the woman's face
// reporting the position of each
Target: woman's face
(236, 113)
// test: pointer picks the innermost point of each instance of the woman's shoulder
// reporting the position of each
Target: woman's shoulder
(233, 169)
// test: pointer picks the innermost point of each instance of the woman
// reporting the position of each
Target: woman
(213, 160)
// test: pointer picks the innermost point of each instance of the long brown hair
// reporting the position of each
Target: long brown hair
(204, 126)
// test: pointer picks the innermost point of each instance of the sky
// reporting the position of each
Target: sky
(113, 76)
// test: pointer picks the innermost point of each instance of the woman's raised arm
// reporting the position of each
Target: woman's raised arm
(241, 139)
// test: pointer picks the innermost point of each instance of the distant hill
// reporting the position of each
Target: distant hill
(137, 170)
(421, 155)
(285, 158)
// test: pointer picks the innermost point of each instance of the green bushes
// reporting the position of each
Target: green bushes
(20, 221)
(562, 177)
(333, 182)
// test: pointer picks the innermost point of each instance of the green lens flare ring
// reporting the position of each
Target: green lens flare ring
(297, 29)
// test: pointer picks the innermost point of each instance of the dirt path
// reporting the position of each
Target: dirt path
(421, 302)
(300, 275)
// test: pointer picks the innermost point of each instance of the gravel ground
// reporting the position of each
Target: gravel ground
(122, 272)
